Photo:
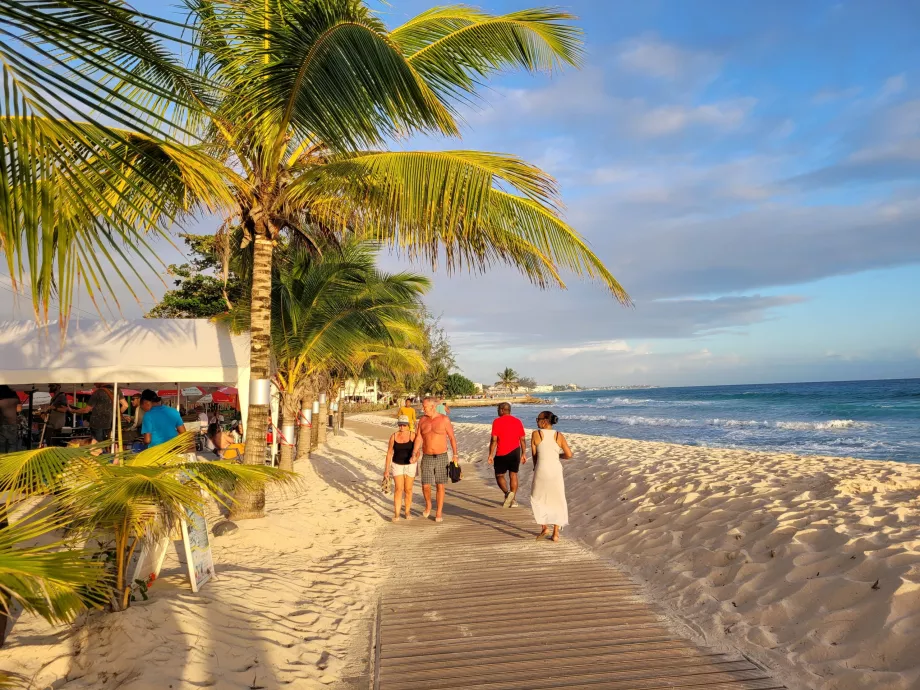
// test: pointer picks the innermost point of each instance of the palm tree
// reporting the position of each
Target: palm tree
(331, 313)
(434, 382)
(281, 126)
(127, 497)
(508, 378)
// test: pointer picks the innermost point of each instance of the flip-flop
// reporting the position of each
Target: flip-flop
(439, 519)
(426, 513)
(509, 499)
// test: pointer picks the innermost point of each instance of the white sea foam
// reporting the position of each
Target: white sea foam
(638, 420)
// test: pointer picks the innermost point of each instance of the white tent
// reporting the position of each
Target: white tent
(147, 350)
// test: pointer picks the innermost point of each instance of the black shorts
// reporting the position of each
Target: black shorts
(508, 463)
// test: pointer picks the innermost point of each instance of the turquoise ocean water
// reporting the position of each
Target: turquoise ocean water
(865, 419)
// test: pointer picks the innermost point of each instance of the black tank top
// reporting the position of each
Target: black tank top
(402, 452)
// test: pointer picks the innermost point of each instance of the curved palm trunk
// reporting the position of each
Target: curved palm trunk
(303, 432)
(251, 504)
(288, 419)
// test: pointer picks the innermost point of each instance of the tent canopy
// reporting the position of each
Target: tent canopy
(183, 350)
(156, 350)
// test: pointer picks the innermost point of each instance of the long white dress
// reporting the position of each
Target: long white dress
(547, 496)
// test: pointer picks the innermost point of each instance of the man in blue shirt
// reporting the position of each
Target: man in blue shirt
(161, 423)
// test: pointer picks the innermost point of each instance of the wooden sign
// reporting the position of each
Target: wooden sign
(197, 549)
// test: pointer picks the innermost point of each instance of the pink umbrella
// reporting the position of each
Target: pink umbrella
(129, 392)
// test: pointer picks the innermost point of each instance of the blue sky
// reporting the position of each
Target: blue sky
(749, 171)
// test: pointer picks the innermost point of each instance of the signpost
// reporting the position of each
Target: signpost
(197, 549)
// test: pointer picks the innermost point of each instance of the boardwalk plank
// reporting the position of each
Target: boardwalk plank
(476, 603)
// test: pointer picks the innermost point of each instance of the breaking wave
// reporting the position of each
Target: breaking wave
(638, 420)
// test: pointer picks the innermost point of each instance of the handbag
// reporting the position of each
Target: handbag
(454, 472)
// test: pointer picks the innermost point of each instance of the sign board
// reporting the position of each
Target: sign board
(150, 559)
(197, 549)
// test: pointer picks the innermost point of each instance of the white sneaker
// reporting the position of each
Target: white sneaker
(509, 499)
(514, 504)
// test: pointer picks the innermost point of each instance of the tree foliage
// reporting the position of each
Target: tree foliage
(272, 114)
(200, 291)
(459, 385)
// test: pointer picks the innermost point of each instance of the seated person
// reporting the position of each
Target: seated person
(85, 441)
(223, 443)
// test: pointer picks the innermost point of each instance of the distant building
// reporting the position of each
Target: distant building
(361, 390)
(478, 387)
(548, 388)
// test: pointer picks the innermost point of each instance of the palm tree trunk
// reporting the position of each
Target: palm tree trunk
(303, 432)
(251, 504)
(323, 423)
(287, 424)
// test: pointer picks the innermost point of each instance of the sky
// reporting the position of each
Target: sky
(749, 171)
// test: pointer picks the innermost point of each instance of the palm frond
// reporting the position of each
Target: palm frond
(52, 580)
(454, 48)
(76, 200)
(455, 205)
(38, 471)
(325, 69)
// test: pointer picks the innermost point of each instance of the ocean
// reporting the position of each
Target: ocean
(863, 419)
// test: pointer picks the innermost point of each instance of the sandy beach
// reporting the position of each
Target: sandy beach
(776, 556)
(810, 565)
(293, 605)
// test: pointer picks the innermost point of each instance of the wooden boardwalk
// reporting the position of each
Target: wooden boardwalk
(475, 602)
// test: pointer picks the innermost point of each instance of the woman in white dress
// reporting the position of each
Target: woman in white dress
(547, 497)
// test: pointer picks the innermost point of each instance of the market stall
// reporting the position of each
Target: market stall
(147, 350)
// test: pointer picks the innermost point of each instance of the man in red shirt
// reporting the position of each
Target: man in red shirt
(507, 451)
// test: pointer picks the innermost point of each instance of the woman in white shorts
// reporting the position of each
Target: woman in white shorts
(402, 465)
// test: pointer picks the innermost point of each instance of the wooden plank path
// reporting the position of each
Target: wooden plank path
(476, 602)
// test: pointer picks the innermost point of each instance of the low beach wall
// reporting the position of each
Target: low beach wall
(809, 564)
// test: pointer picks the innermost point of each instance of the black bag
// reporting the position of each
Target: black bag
(454, 472)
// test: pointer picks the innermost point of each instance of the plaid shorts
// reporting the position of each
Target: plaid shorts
(434, 468)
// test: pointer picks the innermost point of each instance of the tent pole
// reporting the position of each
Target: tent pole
(31, 400)
(116, 408)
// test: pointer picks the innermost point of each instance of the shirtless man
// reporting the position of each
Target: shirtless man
(434, 430)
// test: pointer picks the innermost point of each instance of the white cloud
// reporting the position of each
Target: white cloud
(831, 95)
(650, 56)
(894, 85)
(670, 119)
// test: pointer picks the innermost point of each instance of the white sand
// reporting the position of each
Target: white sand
(293, 605)
(775, 555)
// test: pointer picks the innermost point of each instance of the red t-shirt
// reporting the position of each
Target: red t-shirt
(509, 431)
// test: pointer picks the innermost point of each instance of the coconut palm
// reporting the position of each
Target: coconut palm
(329, 311)
(281, 126)
(508, 378)
(127, 497)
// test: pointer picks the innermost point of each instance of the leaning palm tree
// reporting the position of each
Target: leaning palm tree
(327, 310)
(508, 378)
(281, 125)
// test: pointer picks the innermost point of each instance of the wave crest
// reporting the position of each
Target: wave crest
(638, 420)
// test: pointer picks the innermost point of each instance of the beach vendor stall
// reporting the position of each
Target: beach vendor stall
(188, 352)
